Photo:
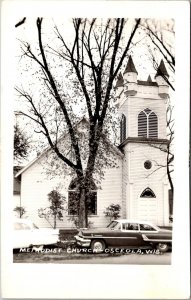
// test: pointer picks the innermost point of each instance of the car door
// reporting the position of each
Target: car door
(130, 236)
(147, 229)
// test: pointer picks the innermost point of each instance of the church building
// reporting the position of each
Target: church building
(139, 184)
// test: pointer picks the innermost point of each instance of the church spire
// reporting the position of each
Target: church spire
(161, 71)
(120, 81)
(130, 68)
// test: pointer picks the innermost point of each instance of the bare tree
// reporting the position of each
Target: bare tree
(167, 148)
(161, 38)
(90, 65)
(161, 44)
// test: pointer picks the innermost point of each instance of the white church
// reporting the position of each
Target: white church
(138, 185)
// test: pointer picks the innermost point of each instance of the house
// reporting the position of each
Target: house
(138, 182)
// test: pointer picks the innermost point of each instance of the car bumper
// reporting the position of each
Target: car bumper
(82, 242)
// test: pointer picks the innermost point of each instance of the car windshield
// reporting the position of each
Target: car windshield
(114, 225)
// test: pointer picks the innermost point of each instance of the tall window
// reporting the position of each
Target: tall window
(74, 197)
(147, 124)
(123, 128)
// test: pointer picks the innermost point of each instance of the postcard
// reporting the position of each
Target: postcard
(95, 149)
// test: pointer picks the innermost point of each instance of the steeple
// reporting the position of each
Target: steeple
(130, 68)
(149, 79)
(160, 79)
(161, 71)
(130, 78)
(120, 81)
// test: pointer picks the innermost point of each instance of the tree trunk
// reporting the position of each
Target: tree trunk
(168, 171)
(170, 180)
(83, 222)
(54, 221)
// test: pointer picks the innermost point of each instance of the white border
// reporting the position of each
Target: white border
(95, 281)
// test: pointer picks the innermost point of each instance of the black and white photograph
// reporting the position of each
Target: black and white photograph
(93, 120)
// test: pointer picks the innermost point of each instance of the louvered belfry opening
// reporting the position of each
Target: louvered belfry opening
(147, 124)
(142, 124)
(153, 125)
(123, 128)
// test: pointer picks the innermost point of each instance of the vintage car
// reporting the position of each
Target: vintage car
(27, 234)
(125, 234)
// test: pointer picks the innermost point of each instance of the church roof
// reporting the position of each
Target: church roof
(120, 81)
(113, 148)
(161, 70)
(130, 66)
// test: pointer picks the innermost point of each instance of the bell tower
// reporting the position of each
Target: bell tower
(143, 139)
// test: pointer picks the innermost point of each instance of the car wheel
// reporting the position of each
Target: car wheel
(162, 247)
(97, 246)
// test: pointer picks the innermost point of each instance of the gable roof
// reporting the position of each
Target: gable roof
(113, 148)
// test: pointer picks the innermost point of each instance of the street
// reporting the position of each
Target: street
(67, 257)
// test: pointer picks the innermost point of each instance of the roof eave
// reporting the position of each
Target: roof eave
(143, 140)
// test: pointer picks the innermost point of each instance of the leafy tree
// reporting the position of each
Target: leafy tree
(55, 210)
(21, 144)
(74, 78)
(20, 210)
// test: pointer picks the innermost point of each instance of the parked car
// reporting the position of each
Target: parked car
(27, 234)
(125, 234)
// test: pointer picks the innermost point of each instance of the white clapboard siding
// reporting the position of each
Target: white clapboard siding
(141, 178)
(36, 185)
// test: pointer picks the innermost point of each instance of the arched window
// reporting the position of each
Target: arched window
(148, 193)
(147, 124)
(74, 197)
(123, 128)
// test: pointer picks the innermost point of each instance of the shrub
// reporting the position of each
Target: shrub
(55, 210)
(112, 211)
